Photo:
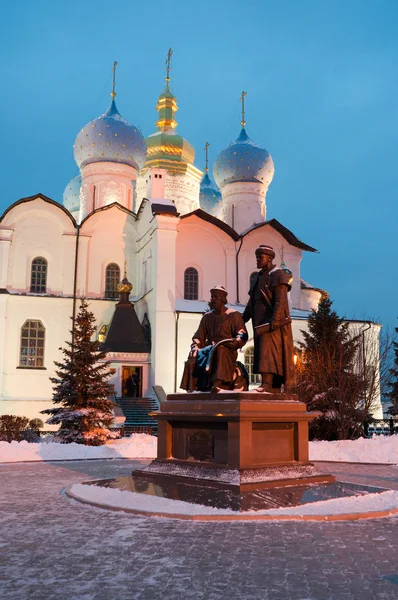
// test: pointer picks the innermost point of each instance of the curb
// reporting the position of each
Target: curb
(239, 517)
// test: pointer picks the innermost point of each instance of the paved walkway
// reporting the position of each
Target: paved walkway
(52, 548)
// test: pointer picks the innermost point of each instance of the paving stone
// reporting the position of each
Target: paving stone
(53, 548)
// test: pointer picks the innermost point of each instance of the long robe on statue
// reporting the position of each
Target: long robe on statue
(273, 351)
(212, 329)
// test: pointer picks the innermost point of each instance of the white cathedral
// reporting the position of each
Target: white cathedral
(139, 207)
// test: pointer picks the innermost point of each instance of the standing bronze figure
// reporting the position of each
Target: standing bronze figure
(212, 364)
(268, 309)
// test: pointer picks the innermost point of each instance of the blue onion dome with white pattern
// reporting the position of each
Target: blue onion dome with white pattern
(110, 138)
(209, 196)
(71, 199)
(243, 160)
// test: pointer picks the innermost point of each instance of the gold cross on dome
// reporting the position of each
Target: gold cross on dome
(113, 93)
(206, 149)
(168, 62)
(242, 99)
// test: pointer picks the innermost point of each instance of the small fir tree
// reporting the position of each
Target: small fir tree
(328, 380)
(81, 390)
(393, 393)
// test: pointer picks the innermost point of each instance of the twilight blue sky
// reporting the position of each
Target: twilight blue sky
(322, 83)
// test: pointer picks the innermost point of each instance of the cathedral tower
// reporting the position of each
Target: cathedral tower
(243, 172)
(171, 152)
(109, 152)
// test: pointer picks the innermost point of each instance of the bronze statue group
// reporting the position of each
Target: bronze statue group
(212, 362)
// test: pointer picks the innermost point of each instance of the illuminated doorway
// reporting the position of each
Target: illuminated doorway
(132, 382)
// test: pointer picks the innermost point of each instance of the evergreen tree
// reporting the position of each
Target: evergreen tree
(328, 377)
(81, 391)
(393, 394)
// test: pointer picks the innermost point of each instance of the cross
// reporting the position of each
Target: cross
(242, 99)
(125, 269)
(206, 149)
(113, 93)
(168, 61)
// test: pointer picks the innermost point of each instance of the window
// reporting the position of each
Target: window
(249, 360)
(191, 284)
(32, 345)
(112, 279)
(253, 278)
(38, 275)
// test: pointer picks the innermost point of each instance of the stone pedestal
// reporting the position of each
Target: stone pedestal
(239, 440)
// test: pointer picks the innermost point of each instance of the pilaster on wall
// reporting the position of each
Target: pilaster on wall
(82, 267)
(162, 306)
(5, 243)
(68, 263)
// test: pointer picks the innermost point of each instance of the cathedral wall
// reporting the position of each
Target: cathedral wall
(26, 391)
(107, 236)
(40, 229)
(211, 252)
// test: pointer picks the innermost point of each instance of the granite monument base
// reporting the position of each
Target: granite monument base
(241, 441)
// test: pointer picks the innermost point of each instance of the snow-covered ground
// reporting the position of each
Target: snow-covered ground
(376, 450)
(139, 445)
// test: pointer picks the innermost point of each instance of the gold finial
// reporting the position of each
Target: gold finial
(206, 149)
(242, 99)
(125, 269)
(168, 61)
(282, 257)
(113, 93)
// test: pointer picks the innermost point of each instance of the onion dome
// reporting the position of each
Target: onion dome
(71, 199)
(166, 146)
(210, 196)
(243, 160)
(124, 286)
(110, 138)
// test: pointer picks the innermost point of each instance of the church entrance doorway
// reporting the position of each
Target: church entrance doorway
(132, 382)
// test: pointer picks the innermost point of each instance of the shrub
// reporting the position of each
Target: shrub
(12, 428)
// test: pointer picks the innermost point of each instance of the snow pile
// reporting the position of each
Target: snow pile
(138, 445)
(125, 500)
(378, 449)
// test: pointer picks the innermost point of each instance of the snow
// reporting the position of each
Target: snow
(379, 449)
(125, 500)
(138, 445)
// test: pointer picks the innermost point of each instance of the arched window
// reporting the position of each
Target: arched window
(249, 360)
(112, 279)
(191, 284)
(253, 278)
(38, 275)
(32, 345)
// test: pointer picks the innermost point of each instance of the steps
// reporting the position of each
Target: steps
(138, 419)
